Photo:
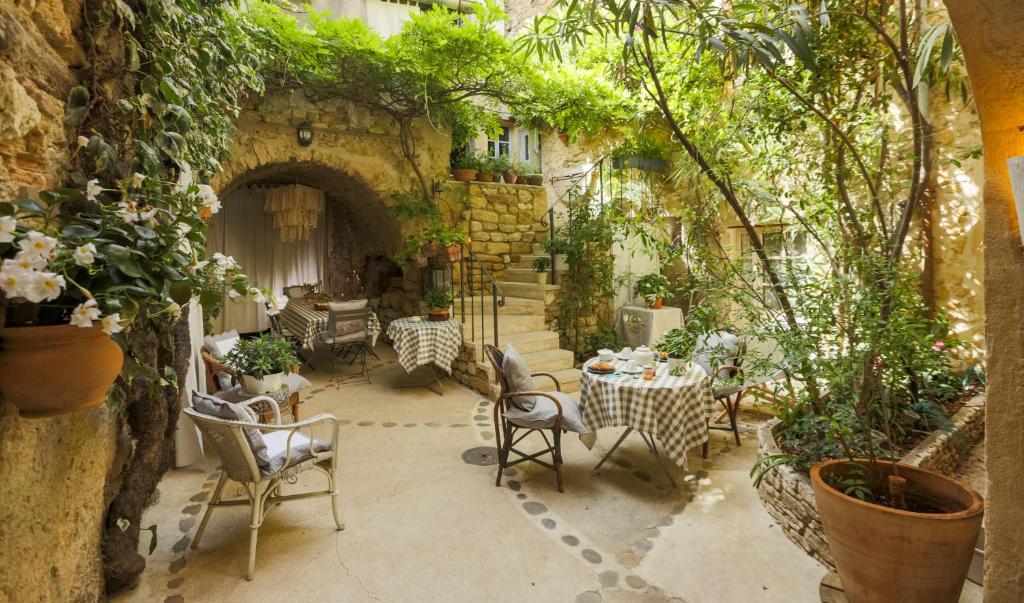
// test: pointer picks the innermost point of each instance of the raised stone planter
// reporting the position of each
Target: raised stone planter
(788, 497)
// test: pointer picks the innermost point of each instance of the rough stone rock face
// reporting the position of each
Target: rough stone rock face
(53, 471)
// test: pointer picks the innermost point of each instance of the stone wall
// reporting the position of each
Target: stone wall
(788, 497)
(52, 471)
(504, 220)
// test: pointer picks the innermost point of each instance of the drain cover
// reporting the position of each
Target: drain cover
(481, 455)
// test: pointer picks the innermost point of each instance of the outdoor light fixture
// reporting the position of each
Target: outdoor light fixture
(296, 210)
(1016, 165)
(305, 133)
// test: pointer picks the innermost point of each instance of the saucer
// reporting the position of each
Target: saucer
(635, 371)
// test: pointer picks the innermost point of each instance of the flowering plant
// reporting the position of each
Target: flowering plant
(112, 251)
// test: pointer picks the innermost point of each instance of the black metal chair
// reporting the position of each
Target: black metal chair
(348, 333)
(506, 428)
(728, 386)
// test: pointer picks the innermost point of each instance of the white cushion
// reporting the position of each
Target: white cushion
(716, 349)
(295, 382)
(222, 409)
(517, 374)
(219, 345)
(277, 449)
(348, 306)
(544, 412)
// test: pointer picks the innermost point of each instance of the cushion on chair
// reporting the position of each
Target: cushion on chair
(222, 409)
(716, 349)
(543, 414)
(277, 449)
(347, 330)
(218, 346)
(295, 382)
(295, 292)
(517, 374)
(348, 306)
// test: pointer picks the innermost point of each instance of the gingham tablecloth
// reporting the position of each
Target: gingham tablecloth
(675, 410)
(307, 323)
(425, 342)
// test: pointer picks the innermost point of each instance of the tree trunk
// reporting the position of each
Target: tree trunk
(151, 414)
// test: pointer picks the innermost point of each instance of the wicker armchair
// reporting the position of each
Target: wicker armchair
(263, 489)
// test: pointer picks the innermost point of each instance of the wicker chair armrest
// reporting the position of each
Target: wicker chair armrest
(558, 405)
(558, 386)
(216, 365)
(272, 404)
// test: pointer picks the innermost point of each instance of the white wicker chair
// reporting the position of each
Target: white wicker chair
(263, 490)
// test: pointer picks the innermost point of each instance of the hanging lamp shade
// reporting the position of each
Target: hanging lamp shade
(296, 210)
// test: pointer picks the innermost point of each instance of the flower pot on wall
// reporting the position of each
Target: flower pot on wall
(656, 304)
(484, 177)
(521, 179)
(535, 180)
(510, 176)
(269, 383)
(53, 370)
(886, 554)
(465, 174)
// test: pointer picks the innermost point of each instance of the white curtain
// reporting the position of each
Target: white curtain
(388, 18)
(241, 229)
(188, 447)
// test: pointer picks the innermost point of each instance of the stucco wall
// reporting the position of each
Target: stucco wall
(990, 35)
(52, 471)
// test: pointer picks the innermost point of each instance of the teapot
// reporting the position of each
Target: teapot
(643, 355)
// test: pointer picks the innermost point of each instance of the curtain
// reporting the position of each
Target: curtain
(188, 446)
(388, 18)
(243, 230)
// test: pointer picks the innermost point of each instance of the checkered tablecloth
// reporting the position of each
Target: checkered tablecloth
(307, 323)
(425, 342)
(675, 410)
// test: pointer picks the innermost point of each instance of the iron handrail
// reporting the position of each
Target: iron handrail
(468, 264)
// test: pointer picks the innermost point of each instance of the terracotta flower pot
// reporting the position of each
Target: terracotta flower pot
(48, 371)
(465, 174)
(521, 179)
(439, 314)
(510, 176)
(484, 177)
(449, 255)
(535, 180)
(886, 554)
(656, 304)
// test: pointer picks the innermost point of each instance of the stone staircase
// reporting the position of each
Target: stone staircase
(521, 322)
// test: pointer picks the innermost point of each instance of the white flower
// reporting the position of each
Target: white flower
(184, 178)
(85, 254)
(127, 211)
(112, 323)
(36, 243)
(43, 286)
(13, 280)
(226, 262)
(209, 198)
(148, 215)
(8, 224)
(138, 179)
(183, 229)
(27, 260)
(234, 294)
(197, 266)
(276, 303)
(82, 141)
(93, 189)
(174, 309)
(257, 295)
(85, 313)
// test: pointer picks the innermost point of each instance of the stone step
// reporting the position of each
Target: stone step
(529, 290)
(521, 275)
(534, 341)
(509, 324)
(549, 361)
(568, 378)
(513, 305)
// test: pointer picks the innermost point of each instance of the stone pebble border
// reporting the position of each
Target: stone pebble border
(788, 497)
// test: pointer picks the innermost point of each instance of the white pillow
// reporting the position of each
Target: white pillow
(219, 345)
(518, 376)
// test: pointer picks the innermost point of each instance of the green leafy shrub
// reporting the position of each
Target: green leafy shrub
(541, 264)
(438, 297)
(652, 286)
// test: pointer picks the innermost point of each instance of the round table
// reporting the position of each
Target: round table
(424, 342)
(675, 410)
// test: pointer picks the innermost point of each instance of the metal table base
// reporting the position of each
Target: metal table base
(428, 384)
(651, 445)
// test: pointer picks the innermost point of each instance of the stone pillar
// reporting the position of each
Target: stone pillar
(990, 34)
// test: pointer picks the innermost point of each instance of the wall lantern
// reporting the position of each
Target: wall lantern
(305, 133)
(1016, 165)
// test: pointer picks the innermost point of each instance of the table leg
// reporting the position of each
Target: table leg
(613, 448)
(649, 439)
(428, 384)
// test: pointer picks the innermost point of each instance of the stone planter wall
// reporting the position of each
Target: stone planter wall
(788, 497)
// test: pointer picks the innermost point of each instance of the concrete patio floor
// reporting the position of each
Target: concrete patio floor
(424, 525)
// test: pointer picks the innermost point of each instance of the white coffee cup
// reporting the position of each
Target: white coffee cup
(631, 367)
(626, 352)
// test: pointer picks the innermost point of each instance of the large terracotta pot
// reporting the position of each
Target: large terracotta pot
(439, 314)
(484, 177)
(510, 176)
(446, 254)
(464, 174)
(884, 554)
(47, 371)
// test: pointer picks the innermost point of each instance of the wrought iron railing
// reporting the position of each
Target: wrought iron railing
(476, 280)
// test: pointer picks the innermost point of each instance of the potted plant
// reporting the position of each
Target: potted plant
(465, 167)
(642, 153)
(556, 247)
(487, 169)
(530, 174)
(262, 362)
(439, 302)
(540, 266)
(78, 267)
(653, 288)
(680, 345)
(503, 170)
(445, 242)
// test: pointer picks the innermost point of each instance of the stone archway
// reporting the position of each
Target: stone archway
(990, 35)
